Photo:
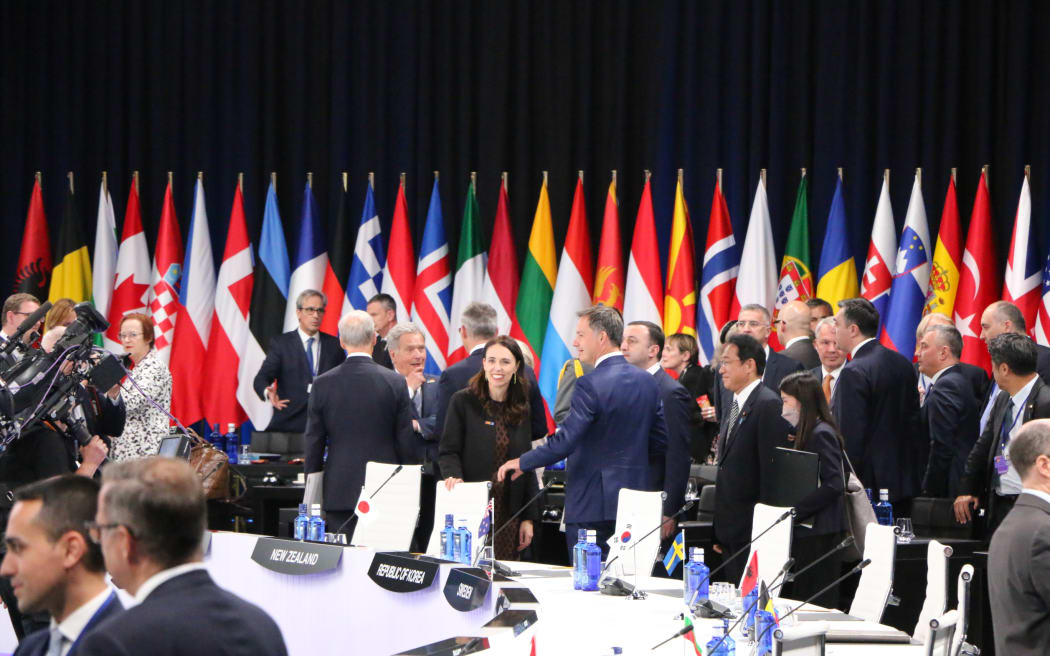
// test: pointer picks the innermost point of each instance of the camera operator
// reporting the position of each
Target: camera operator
(16, 308)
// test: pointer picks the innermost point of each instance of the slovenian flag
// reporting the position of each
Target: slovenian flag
(908, 294)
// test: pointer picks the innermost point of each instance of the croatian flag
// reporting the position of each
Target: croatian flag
(880, 265)
(432, 297)
(366, 271)
(1023, 281)
(311, 258)
(908, 295)
(718, 276)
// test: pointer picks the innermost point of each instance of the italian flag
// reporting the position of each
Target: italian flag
(469, 282)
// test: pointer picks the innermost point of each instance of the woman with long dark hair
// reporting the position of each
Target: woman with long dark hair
(820, 522)
(486, 425)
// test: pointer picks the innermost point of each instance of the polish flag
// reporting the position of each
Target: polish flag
(1022, 284)
(167, 276)
(643, 296)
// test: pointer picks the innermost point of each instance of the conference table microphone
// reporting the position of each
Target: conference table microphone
(845, 544)
(352, 517)
(618, 587)
(499, 567)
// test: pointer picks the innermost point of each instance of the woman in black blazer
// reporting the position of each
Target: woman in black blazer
(681, 358)
(820, 520)
(486, 425)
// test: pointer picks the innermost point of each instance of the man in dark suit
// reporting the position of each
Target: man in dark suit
(614, 429)
(976, 376)
(876, 403)
(1019, 557)
(376, 401)
(53, 564)
(795, 334)
(747, 436)
(383, 310)
(990, 480)
(949, 413)
(293, 361)
(478, 326)
(153, 551)
(643, 342)
(753, 320)
(832, 358)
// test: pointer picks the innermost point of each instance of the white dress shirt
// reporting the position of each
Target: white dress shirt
(163, 576)
(75, 623)
(853, 353)
(606, 357)
(824, 373)
(315, 347)
(1010, 482)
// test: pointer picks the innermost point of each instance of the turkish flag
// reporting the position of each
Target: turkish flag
(979, 282)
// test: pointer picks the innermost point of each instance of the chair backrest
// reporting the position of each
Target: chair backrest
(939, 638)
(774, 548)
(876, 580)
(707, 504)
(286, 444)
(936, 588)
(963, 589)
(637, 513)
(467, 501)
(387, 519)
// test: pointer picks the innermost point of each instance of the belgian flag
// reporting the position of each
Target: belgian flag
(71, 277)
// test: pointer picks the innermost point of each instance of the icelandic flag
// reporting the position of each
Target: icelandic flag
(717, 277)
(880, 265)
(675, 553)
(908, 295)
(432, 297)
(311, 258)
(366, 271)
(1022, 282)
(572, 293)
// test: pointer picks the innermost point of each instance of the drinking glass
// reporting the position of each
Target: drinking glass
(905, 533)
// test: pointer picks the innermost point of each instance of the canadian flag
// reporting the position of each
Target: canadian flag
(131, 282)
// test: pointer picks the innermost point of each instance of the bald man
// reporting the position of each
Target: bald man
(793, 326)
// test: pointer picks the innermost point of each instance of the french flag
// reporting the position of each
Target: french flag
(718, 276)
(880, 266)
(1022, 284)
(196, 304)
(366, 271)
(572, 293)
(311, 259)
(432, 298)
(908, 295)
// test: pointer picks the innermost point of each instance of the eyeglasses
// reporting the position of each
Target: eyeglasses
(128, 335)
(312, 310)
(750, 324)
(95, 530)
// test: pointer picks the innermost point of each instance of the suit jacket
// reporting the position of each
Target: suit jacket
(1019, 579)
(825, 507)
(188, 614)
(950, 416)
(36, 643)
(615, 424)
(876, 402)
(744, 462)
(804, 353)
(426, 446)
(468, 450)
(778, 366)
(458, 375)
(701, 381)
(361, 411)
(684, 424)
(976, 376)
(286, 363)
(381, 355)
(1042, 365)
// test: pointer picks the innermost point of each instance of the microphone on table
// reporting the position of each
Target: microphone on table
(352, 517)
(845, 544)
(618, 587)
(500, 567)
(15, 340)
(790, 512)
(712, 609)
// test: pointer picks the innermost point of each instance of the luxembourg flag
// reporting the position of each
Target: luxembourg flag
(908, 295)
(432, 299)
(718, 276)
(311, 258)
(1022, 284)
(880, 265)
(572, 293)
(196, 305)
(366, 271)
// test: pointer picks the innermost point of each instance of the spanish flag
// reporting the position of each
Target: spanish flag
(71, 277)
(537, 278)
(947, 258)
(680, 298)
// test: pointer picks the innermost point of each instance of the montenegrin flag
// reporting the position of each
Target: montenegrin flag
(537, 278)
(680, 299)
(608, 274)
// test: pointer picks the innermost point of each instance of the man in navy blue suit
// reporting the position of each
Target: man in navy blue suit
(53, 564)
(294, 360)
(150, 520)
(754, 320)
(614, 429)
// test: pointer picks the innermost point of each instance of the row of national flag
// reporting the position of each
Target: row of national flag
(226, 319)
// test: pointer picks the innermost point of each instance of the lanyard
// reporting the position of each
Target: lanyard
(94, 620)
(1004, 431)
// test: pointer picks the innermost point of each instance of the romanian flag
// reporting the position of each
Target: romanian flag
(837, 276)
(680, 299)
(947, 258)
(537, 277)
(71, 277)
(608, 275)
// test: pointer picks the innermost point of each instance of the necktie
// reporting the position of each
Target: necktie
(417, 401)
(55, 645)
(826, 386)
(734, 413)
(310, 356)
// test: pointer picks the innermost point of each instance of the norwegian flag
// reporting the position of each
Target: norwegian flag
(1023, 280)
(881, 264)
(167, 276)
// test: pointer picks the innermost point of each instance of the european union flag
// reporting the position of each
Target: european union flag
(912, 252)
(675, 554)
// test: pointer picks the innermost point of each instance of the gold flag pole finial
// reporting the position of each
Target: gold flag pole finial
(474, 180)
(135, 180)
(310, 179)
(346, 181)
(169, 178)
(648, 174)
(37, 176)
(273, 180)
(579, 174)
(437, 175)
(718, 179)
(401, 178)
(840, 173)
(544, 178)
(240, 181)
(803, 171)
(70, 176)
(954, 172)
(613, 176)
(200, 175)
(372, 179)
(105, 183)
(1028, 171)
(762, 175)
(886, 176)
(681, 174)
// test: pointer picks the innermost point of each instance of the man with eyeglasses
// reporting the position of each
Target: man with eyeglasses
(16, 308)
(292, 362)
(753, 320)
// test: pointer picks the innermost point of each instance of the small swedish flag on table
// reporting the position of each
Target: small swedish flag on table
(675, 554)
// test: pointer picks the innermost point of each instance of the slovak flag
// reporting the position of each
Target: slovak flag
(908, 295)
(432, 297)
(1023, 280)
(880, 266)
(718, 276)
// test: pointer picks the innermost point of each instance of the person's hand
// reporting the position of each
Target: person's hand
(717, 548)
(94, 452)
(451, 482)
(524, 534)
(415, 378)
(113, 392)
(667, 527)
(275, 401)
(415, 426)
(513, 466)
(922, 394)
(708, 413)
(962, 507)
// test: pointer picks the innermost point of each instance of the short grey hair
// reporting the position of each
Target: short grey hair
(480, 320)
(356, 328)
(948, 336)
(602, 318)
(300, 300)
(393, 338)
(826, 321)
(755, 307)
(51, 337)
(1032, 441)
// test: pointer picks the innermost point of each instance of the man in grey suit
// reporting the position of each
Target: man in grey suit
(1019, 557)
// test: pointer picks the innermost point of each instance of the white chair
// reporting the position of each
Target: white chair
(942, 631)
(467, 501)
(963, 589)
(936, 588)
(637, 513)
(876, 580)
(774, 548)
(803, 639)
(387, 518)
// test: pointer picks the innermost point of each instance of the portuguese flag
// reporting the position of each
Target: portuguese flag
(796, 282)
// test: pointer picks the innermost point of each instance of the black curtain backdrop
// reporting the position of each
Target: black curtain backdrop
(523, 86)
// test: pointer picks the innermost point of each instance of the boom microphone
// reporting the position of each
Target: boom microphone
(27, 324)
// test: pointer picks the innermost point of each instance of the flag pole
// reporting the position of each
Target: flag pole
(840, 173)
(580, 174)
(984, 172)
(240, 182)
(648, 174)
(402, 178)
(544, 178)
(372, 180)
(681, 174)
(70, 176)
(614, 176)
(886, 176)
(436, 176)
(200, 175)
(135, 180)
(954, 171)
(504, 176)
(474, 180)
(803, 171)
(310, 179)
(345, 177)
(918, 175)
(762, 175)
(273, 180)
(1028, 172)
(169, 178)
(37, 176)
(718, 179)
(105, 186)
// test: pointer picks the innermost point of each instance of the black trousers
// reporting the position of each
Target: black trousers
(806, 548)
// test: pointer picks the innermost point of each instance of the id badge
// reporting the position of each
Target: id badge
(1002, 465)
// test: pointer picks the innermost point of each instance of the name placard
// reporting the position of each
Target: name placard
(466, 587)
(296, 558)
(402, 572)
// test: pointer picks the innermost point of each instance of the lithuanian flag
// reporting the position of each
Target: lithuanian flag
(537, 278)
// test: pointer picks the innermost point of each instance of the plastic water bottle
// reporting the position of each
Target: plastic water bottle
(592, 562)
(301, 521)
(461, 543)
(578, 560)
(216, 439)
(233, 444)
(447, 539)
(883, 509)
(695, 577)
(765, 624)
(728, 646)
(750, 606)
(315, 531)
